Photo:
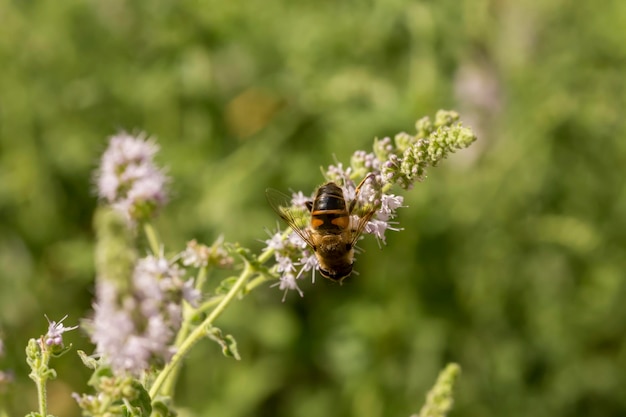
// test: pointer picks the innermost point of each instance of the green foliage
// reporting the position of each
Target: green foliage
(510, 262)
(119, 396)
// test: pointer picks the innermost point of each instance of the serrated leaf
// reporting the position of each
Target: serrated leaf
(225, 285)
(227, 342)
(229, 349)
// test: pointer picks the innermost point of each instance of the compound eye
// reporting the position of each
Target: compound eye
(325, 273)
(337, 275)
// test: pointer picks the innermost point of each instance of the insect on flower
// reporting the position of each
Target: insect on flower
(334, 227)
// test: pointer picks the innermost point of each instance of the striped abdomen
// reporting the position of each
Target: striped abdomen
(328, 210)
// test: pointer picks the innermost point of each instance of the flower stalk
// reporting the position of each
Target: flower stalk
(153, 239)
(38, 359)
(38, 355)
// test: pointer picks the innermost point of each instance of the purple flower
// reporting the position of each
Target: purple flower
(292, 259)
(136, 329)
(288, 282)
(128, 179)
(54, 337)
(276, 242)
(299, 199)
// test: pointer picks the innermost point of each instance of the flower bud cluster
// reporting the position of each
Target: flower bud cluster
(199, 255)
(407, 161)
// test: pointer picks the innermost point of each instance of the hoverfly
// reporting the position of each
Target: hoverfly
(332, 231)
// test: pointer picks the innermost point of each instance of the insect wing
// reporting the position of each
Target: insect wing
(297, 219)
(362, 222)
(366, 212)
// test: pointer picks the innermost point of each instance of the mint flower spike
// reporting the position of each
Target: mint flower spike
(128, 178)
(135, 328)
(401, 161)
(440, 398)
(407, 161)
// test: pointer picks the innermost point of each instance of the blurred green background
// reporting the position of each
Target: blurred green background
(512, 257)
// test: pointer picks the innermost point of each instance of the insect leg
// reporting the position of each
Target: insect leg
(356, 191)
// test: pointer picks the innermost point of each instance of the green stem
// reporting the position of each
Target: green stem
(203, 273)
(40, 376)
(207, 305)
(189, 313)
(263, 257)
(200, 331)
(42, 394)
(153, 239)
(170, 381)
(261, 279)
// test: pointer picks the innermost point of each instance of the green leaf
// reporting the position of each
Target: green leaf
(99, 373)
(226, 285)
(88, 361)
(160, 408)
(143, 402)
(227, 342)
